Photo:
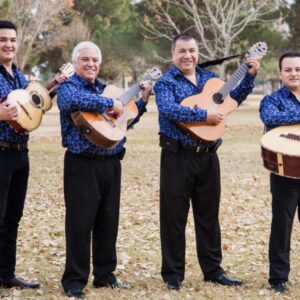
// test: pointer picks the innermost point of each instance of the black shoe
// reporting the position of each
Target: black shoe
(18, 283)
(114, 285)
(279, 287)
(76, 293)
(224, 279)
(174, 283)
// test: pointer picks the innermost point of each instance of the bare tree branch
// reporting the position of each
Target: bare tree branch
(35, 20)
(216, 23)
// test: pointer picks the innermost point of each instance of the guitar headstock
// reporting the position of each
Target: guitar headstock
(258, 50)
(153, 74)
(67, 70)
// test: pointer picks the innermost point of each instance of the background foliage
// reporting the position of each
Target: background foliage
(134, 35)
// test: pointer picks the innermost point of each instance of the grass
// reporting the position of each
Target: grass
(245, 216)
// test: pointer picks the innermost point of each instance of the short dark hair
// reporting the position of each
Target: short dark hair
(290, 54)
(185, 36)
(4, 24)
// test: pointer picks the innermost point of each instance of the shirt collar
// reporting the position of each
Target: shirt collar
(176, 72)
(85, 83)
(286, 92)
(3, 69)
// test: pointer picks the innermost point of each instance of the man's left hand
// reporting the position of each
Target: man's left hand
(253, 65)
(146, 90)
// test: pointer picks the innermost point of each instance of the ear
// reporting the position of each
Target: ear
(279, 74)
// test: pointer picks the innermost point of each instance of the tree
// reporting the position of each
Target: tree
(113, 29)
(217, 24)
(4, 6)
(293, 21)
(38, 21)
(60, 49)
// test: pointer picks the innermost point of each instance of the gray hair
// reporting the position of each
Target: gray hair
(84, 45)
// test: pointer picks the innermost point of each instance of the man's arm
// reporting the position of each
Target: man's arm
(173, 111)
(143, 101)
(272, 116)
(70, 98)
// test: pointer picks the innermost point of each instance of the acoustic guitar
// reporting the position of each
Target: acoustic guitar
(33, 102)
(280, 150)
(215, 94)
(105, 130)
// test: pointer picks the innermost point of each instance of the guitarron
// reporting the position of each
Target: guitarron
(215, 94)
(105, 130)
(33, 102)
(280, 150)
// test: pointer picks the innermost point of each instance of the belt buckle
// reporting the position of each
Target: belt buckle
(20, 147)
(198, 149)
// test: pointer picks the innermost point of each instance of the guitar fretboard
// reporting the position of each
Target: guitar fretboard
(233, 80)
(133, 91)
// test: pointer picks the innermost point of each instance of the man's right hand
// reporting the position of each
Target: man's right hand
(118, 108)
(213, 116)
(8, 112)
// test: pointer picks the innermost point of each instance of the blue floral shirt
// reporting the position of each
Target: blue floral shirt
(8, 84)
(77, 93)
(280, 108)
(173, 87)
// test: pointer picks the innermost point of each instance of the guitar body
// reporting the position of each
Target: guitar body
(204, 130)
(31, 104)
(104, 130)
(280, 150)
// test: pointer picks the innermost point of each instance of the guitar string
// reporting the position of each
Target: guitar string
(129, 94)
(233, 80)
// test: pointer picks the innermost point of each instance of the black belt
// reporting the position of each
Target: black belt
(13, 146)
(175, 146)
(198, 149)
(95, 156)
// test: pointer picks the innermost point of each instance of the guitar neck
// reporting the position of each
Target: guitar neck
(129, 94)
(51, 86)
(133, 91)
(234, 80)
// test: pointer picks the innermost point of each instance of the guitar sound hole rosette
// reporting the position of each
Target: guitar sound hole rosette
(37, 100)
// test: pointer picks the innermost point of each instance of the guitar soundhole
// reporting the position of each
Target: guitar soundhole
(218, 98)
(36, 100)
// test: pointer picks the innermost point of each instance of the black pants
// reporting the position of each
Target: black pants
(14, 172)
(189, 176)
(285, 199)
(92, 199)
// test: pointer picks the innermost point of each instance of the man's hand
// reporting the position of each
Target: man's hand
(213, 116)
(59, 78)
(118, 108)
(8, 112)
(253, 65)
(146, 90)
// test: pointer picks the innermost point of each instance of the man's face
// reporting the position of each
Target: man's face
(8, 45)
(185, 56)
(290, 72)
(87, 65)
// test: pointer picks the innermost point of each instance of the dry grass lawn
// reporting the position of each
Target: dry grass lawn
(244, 215)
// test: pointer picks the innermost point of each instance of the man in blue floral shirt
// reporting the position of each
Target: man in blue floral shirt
(189, 167)
(14, 164)
(278, 109)
(92, 177)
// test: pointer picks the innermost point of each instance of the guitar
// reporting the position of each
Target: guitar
(280, 150)
(105, 130)
(33, 102)
(215, 94)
